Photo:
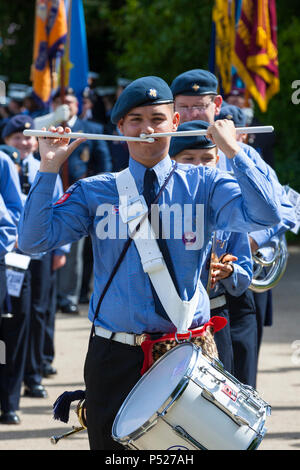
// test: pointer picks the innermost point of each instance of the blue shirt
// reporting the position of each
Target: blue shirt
(236, 244)
(8, 230)
(33, 167)
(10, 187)
(270, 235)
(216, 200)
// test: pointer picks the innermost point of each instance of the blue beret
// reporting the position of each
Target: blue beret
(195, 142)
(66, 91)
(195, 82)
(17, 123)
(12, 152)
(234, 113)
(144, 91)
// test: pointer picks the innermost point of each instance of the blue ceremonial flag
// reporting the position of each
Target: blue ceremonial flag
(76, 58)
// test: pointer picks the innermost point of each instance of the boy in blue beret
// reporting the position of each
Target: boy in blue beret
(228, 267)
(123, 308)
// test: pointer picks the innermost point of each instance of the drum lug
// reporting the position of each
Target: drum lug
(185, 435)
(217, 380)
(210, 397)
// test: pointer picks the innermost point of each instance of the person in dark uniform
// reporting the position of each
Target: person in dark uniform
(196, 96)
(13, 329)
(228, 267)
(90, 158)
(41, 265)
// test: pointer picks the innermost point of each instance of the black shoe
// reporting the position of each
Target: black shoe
(36, 391)
(10, 417)
(48, 370)
(70, 308)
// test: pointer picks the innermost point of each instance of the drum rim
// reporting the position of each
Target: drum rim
(168, 403)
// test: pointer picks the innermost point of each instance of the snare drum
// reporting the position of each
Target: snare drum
(186, 401)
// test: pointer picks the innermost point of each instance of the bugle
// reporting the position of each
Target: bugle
(81, 414)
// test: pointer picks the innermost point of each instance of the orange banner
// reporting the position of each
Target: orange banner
(49, 38)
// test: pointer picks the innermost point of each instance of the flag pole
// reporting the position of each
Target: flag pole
(65, 167)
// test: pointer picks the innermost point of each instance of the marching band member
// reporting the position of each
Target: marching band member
(41, 265)
(127, 308)
(260, 303)
(196, 97)
(229, 256)
(11, 372)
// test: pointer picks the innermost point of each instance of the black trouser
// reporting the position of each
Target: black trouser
(223, 339)
(40, 291)
(49, 351)
(15, 333)
(243, 329)
(111, 370)
(263, 304)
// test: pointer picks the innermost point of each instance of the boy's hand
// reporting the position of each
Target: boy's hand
(222, 269)
(55, 151)
(223, 134)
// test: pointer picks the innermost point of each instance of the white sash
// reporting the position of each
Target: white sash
(132, 209)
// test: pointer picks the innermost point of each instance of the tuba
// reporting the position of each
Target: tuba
(268, 270)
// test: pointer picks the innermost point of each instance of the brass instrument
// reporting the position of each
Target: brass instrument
(274, 268)
(81, 414)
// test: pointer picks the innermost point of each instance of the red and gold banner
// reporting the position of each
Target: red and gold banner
(255, 55)
(223, 16)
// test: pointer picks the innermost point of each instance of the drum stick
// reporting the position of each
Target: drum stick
(239, 130)
(141, 138)
(82, 135)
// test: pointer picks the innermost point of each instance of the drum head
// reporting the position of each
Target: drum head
(153, 390)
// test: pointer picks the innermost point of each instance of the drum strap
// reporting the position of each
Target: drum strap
(123, 253)
(132, 210)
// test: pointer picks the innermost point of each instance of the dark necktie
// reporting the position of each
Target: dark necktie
(149, 194)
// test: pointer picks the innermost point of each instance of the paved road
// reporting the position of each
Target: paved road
(278, 378)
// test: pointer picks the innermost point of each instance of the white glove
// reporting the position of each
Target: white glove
(61, 114)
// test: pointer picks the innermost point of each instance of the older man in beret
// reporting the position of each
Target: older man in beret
(124, 309)
(190, 90)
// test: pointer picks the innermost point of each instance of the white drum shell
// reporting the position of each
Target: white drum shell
(229, 418)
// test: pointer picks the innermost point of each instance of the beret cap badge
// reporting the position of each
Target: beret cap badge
(152, 93)
(27, 125)
(195, 87)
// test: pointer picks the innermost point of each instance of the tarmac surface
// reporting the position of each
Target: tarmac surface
(278, 377)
